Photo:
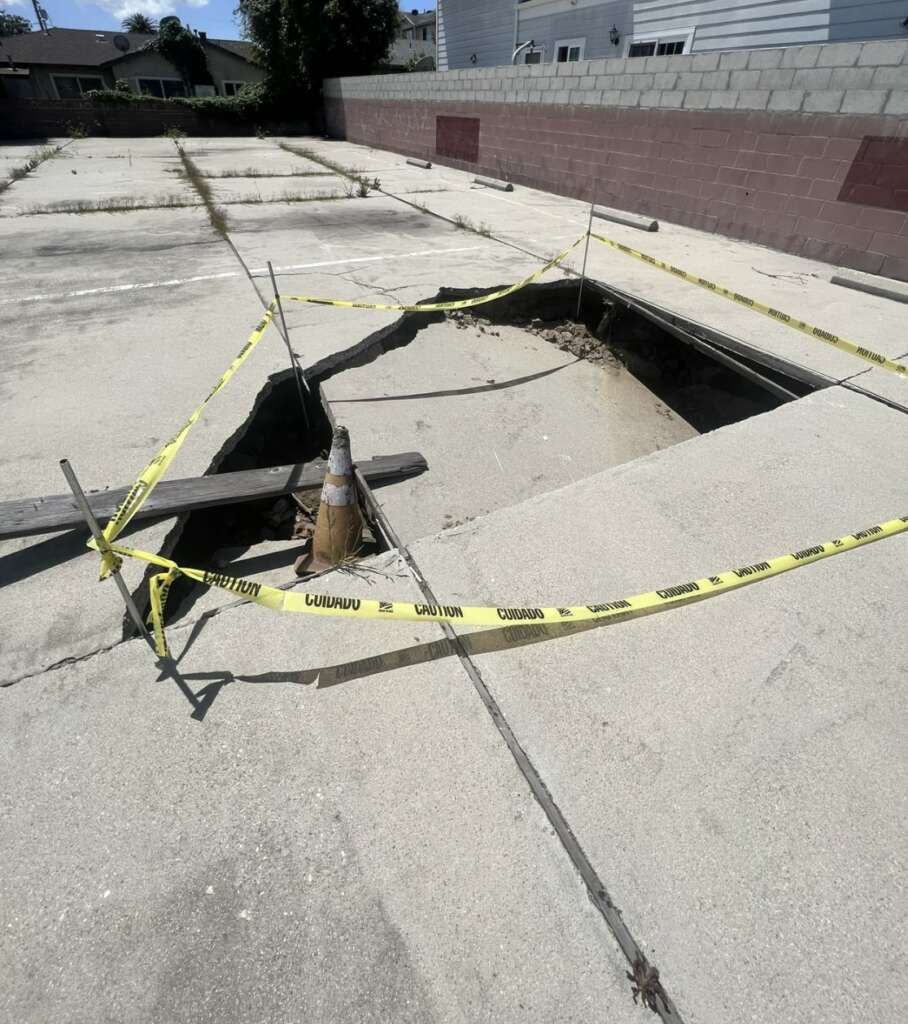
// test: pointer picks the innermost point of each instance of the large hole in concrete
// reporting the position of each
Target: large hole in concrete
(706, 385)
(276, 434)
(707, 392)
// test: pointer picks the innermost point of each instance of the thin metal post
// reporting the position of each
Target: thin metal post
(294, 363)
(586, 252)
(104, 547)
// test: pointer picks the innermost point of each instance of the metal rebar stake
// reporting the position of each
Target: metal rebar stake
(586, 252)
(104, 547)
(294, 363)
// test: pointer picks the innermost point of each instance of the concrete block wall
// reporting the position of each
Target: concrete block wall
(803, 148)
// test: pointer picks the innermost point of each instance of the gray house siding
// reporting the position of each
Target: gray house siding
(592, 24)
(728, 25)
(485, 28)
(481, 27)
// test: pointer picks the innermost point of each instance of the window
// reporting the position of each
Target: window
(569, 50)
(233, 88)
(163, 88)
(71, 87)
(533, 55)
(662, 46)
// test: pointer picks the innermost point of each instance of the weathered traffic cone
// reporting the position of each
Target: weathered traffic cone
(339, 526)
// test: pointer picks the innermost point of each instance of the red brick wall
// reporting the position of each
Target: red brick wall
(785, 180)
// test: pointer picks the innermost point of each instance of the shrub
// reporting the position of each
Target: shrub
(248, 105)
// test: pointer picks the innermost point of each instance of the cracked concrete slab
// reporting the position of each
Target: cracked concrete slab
(124, 374)
(83, 173)
(276, 189)
(735, 769)
(120, 372)
(314, 848)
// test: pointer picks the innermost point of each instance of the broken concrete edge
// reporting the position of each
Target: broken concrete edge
(416, 162)
(502, 186)
(628, 219)
(397, 334)
(883, 286)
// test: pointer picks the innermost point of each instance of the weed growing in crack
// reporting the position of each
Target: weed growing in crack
(252, 172)
(361, 186)
(35, 159)
(465, 224)
(121, 205)
(216, 214)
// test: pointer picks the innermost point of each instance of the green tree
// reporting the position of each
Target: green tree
(302, 42)
(177, 44)
(139, 22)
(13, 24)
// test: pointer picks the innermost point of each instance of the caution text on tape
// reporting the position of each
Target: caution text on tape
(464, 615)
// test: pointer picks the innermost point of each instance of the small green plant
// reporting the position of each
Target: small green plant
(75, 130)
(124, 204)
(36, 158)
(463, 223)
(217, 216)
(363, 188)
(176, 133)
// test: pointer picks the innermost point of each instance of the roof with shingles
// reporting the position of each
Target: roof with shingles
(90, 48)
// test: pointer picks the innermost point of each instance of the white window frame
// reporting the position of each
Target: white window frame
(235, 82)
(154, 78)
(579, 43)
(78, 78)
(534, 49)
(685, 35)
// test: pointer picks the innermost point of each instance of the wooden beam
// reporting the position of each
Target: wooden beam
(26, 516)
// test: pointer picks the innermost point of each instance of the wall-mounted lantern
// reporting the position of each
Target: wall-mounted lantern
(614, 35)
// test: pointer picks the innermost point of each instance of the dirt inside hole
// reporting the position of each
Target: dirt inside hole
(705, 392)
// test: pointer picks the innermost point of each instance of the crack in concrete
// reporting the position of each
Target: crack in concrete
(596, 890)
(67, 661)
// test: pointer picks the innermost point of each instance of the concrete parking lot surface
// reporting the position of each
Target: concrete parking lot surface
(319, 819)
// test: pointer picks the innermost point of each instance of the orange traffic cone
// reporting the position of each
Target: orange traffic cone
(339, 526)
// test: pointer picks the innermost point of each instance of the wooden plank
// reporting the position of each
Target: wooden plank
(26, 516)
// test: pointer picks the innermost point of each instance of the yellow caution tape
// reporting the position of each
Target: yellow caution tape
(438, 307)
(817, 333)
(462, 615)
(152, 473)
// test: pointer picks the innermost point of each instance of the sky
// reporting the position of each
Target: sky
(212, 16)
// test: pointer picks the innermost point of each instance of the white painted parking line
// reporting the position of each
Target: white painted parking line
(113, 288)
(174, 282)
(366, 259)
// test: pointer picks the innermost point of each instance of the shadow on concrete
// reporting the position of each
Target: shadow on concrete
(478, 390)
(489, 641)
(51, 552)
